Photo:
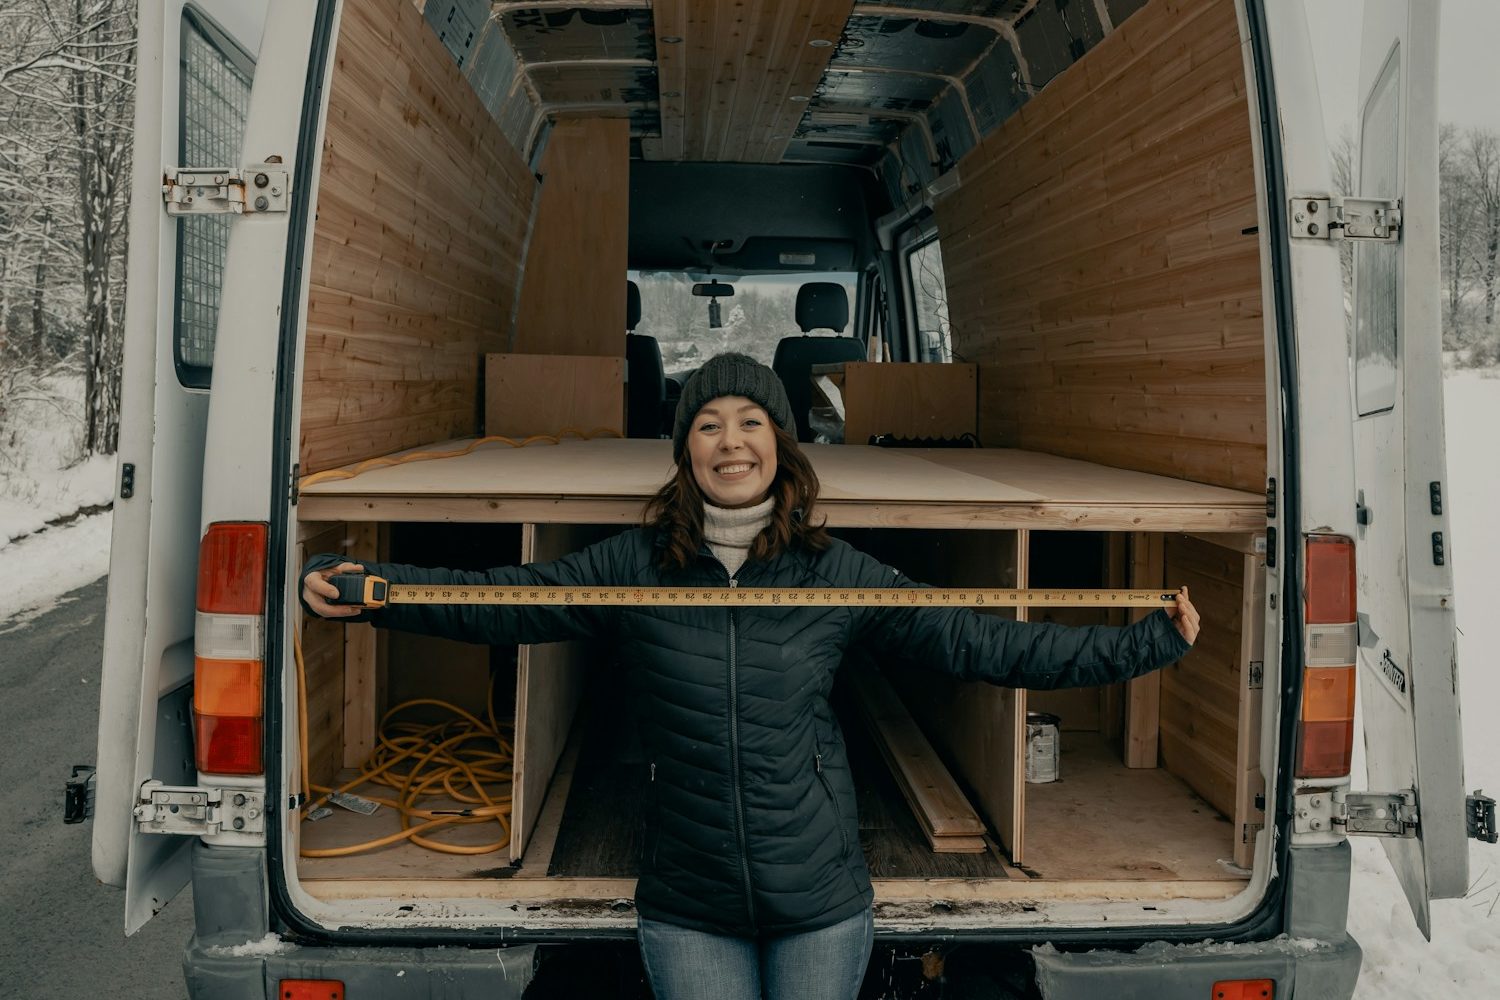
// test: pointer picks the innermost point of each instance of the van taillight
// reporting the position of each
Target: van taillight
(1325, 736)
(229, 649)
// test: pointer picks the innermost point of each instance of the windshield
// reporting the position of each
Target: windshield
(761, 312)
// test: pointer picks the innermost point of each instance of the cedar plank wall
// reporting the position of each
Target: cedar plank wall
(422, 211)
(1096, 263)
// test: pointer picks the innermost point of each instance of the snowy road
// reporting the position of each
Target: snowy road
(61, 933)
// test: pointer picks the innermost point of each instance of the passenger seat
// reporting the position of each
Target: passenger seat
(820, 305)
(645, 377)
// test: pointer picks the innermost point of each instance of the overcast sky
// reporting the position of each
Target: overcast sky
(1469, 71)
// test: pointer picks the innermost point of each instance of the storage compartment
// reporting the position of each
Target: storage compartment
(578, 773)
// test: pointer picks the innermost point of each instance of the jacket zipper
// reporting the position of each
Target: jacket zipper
(655, 818)
(734, 760)
(838, 814)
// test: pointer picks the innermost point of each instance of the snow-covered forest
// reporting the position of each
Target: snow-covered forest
(67, 71)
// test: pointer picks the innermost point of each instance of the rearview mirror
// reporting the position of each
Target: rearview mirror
(713, 289)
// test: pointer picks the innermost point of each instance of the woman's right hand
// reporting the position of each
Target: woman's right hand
(315, 587)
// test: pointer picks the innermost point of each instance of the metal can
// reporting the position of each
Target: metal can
(1043, 747)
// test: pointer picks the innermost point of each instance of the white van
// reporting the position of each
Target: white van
(1096, 237)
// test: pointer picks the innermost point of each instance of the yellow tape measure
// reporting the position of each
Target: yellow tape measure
(761, 597)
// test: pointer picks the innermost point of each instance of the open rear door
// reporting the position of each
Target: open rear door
(1407, 667)
(194, 68)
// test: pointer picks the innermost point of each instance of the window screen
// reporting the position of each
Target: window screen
(215, 93)
(1376, 265)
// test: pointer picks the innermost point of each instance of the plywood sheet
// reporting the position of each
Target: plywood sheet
(908, 400)
(573, 288)
(526, 394)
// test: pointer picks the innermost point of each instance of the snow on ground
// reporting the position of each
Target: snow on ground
(1465, 951)
(42, 479)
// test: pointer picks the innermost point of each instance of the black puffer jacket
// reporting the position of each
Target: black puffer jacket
(751, 826)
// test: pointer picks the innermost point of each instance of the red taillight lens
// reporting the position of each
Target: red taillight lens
(1325, 738)
(228, 745)
(310, 989)
(1244, 989)
(1331, 593)
(232, 568)
(229, 669)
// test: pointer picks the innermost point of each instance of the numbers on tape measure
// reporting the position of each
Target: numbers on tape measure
(778, 597)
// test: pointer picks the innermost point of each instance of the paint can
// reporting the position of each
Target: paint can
(1043, 747)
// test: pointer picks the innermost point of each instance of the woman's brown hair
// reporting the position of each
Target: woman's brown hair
(676, 511)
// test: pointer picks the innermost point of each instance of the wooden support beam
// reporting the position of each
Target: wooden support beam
(1143, 694)
(360, 714)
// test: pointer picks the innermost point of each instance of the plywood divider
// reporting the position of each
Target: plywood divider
(323, 653)
(573, 292)
(549, 686)
(528, 394)
(1211, 700)
(416, 256)
(1102, 260)
(978, 729)
(907, 400)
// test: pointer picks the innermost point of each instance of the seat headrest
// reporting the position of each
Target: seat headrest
(632, 304)
(822, 305)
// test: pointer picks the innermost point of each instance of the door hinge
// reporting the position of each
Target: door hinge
(1357, 814)
(261, 187)
(1339, 218)
(199, 812)
(1481, 814)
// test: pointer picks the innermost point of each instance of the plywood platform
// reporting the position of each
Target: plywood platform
(606, 481)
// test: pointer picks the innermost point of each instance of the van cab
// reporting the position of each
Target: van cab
(1054, 289)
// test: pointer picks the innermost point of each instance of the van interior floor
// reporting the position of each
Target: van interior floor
(1100, 821)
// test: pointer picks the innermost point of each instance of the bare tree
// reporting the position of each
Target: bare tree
(1484, 164)
(1456, 227)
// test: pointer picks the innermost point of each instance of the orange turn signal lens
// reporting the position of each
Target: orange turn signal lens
(228, 687)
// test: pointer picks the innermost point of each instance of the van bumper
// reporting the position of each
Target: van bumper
(227, 972)
(1302, 968)
(1315, 959)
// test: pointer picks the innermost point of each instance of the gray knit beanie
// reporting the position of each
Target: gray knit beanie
(730, 375)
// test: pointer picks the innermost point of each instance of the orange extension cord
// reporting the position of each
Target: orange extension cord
(457, 759)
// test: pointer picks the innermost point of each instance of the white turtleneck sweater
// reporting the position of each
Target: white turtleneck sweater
(729, 531)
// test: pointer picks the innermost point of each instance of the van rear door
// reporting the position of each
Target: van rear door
(1407, 665)
(194, 66)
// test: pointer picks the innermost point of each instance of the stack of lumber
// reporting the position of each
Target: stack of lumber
(944, 814)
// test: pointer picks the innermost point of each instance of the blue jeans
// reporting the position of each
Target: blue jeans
(825, 964)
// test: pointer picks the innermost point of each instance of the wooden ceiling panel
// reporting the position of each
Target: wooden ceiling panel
(726, 86)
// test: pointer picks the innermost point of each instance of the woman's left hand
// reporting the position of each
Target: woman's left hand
(1185, 617)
